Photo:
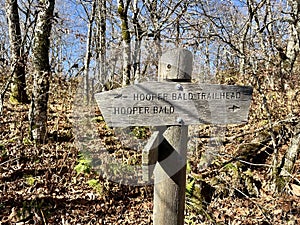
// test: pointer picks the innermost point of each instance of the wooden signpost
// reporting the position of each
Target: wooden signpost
(174, 102)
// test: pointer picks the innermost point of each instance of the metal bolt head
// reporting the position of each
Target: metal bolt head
(179, 120)
(179, 87)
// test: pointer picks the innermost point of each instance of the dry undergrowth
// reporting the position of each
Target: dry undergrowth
(229, 176)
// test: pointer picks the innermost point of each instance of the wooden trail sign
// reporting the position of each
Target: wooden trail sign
(170, 103)
(178, 103)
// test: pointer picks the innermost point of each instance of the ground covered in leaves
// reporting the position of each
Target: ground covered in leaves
(229, 174)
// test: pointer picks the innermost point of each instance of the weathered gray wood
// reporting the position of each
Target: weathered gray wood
(176, 64)
(170, 177)
(176, 103)
(168, 103)
(150, 156)
(170, 171)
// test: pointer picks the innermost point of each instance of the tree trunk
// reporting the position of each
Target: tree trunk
(293, 43)
(155, 18)
(42, 72)
(123, 10)
(18, 85)
(288, 161)
(88, 53)
(101, 41)
(139, 33)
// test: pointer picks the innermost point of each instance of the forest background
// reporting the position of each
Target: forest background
(50, 50)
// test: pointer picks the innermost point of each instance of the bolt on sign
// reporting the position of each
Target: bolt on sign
(170, 103)
(176, 102)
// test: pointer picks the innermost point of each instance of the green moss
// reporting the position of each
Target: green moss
(2, 147)
(13, 140)
(124, 24)
(3, 152)
(190, 187)
(13, 100)
(140, 132)
(97, 119)
(125, 32)
(280, 183)
(120, 9)
(29, 180)
(27, 141)
(95, 185)
(84, 165)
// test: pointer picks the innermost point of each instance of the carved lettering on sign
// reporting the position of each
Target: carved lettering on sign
(150, 96)
(143, 110)
(206, 96)
(162, 103)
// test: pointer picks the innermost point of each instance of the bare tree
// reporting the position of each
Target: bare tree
(126, 39)
(293, 44)
(101, 40)
(163, 16)
(88, 53)
(289, 68)
(139, 33)
(42, 71)
(18, 85)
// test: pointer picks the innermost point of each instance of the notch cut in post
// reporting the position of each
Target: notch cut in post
(150, 156)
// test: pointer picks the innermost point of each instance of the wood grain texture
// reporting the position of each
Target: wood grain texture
(170, 171)
(176, 64)
(173, 103)
(178, 103)
(170, 177)
(150, 156)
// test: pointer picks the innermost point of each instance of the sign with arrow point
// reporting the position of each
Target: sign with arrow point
(167, 103)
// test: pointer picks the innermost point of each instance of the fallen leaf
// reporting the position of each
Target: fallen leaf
(295, 189)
